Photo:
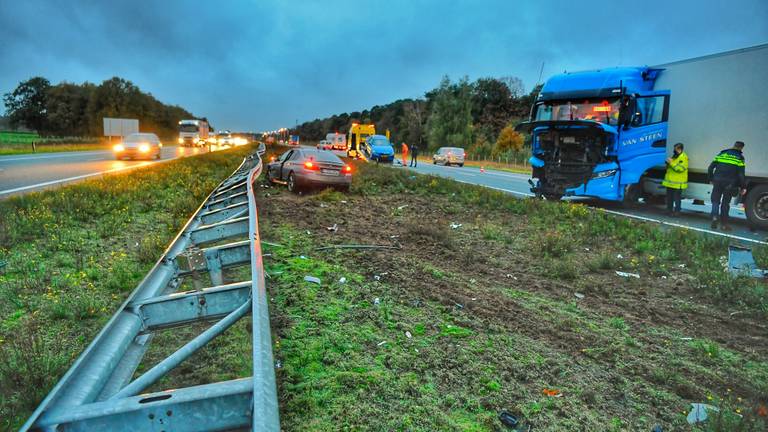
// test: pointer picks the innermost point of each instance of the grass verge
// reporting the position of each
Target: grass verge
(70, 256)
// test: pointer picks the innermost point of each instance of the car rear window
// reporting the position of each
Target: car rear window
(322, 156)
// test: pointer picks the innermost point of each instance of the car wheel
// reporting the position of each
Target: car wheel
(292, 187)
(434, 162)
(756, 206)
(461, 165)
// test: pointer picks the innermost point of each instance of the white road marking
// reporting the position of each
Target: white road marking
(80, 177)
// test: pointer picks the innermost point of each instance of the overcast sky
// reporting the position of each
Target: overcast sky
(256, 65)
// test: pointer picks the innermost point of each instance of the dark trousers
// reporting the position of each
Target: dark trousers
(674, 198)
(722, 193)
(414, 161)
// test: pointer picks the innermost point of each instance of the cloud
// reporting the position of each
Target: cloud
(251, 65)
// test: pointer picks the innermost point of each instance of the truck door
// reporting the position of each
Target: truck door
(643, 144)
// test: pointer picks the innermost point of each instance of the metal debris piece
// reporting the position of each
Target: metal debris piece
(402, 207)
(627, 275)
(408, 335)
(381, 343)
(376, 301)
(343, 280)
(741, 262)
(333, 228)
(455, 225)
(578, 295)
(312, 279)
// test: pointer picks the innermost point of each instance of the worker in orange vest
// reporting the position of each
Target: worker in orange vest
(405, 153)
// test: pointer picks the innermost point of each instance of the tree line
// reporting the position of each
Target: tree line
(478, 116)
(76, 110)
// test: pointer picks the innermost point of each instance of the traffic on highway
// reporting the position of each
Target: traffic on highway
(418, 216)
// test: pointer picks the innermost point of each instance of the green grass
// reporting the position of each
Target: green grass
(21, 143)
(346, 360)
(73, 254)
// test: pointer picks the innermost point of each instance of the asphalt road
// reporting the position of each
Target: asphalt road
(694, 217)
(30, 172)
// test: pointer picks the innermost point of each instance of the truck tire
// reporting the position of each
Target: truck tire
(632, 193)
(756, 206)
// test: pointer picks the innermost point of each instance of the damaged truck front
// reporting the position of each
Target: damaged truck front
(596, 133)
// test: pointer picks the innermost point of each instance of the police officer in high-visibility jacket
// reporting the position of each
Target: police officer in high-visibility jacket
(726, 173)
(676, 179)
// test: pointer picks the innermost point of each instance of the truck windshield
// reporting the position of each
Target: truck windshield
(603, 111)
(188, 128)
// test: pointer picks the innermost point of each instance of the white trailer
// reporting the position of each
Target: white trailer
(193, 132)
(715, 101)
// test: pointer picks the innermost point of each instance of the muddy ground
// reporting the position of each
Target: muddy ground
(619, 340)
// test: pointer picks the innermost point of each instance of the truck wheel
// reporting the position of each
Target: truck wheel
(632, 194)
(756, 206)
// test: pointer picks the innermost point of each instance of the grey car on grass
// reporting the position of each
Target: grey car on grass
(304, 168)
(449, 156)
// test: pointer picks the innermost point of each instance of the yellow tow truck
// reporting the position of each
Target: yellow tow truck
(356, 138)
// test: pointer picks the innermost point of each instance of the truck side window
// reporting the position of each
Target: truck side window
(650, 110)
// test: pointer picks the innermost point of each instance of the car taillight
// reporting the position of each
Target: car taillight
(310, 165)
(347, 169)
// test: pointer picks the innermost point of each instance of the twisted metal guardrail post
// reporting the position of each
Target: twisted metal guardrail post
(98, 393)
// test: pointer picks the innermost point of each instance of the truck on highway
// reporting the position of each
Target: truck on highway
(356, 137)
(294, 140)
(606, 133)
(338, 141)
(193, 133)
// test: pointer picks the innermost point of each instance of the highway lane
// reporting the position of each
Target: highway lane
(30, 172)
(695, 217)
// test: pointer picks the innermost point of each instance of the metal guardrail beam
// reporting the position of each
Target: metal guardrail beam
(97, 392)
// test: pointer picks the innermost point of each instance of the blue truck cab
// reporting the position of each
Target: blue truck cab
(596, 133)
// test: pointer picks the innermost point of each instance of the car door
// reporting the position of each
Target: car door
(275, 168)
(287, 164)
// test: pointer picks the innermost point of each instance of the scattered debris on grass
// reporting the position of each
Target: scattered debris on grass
(455, 225)
(358, 246)
(698, 412)
(342, 280)
(741, 262)
(552, 392)
(312, 279)
(578, 295)
(627, 275)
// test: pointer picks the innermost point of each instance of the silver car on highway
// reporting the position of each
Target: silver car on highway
(449, 156)
(139, 146)
(304, 168)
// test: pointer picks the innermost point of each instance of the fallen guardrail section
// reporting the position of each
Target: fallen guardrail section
(98, 393)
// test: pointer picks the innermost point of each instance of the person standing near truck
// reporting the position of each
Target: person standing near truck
(404, 150)
(414, 155)
(676, 179)
(726, 173)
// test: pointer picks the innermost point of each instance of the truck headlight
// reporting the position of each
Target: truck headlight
(144, 148)
(118, 148)
(603, 174)
(181, 140)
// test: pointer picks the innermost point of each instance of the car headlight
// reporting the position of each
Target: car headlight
(603, 174)
(181, 140)
(144, 148)
(118, 147)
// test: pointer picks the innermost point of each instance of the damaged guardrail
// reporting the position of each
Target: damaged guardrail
(99, 393)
